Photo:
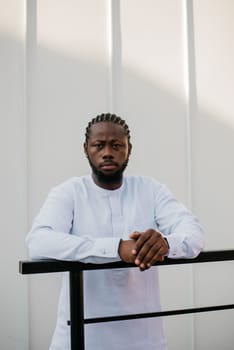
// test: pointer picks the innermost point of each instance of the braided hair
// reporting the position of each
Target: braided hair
(107, 117)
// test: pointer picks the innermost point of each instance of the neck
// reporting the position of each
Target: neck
(107, 185)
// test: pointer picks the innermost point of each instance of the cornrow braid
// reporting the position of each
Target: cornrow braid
(107, 117)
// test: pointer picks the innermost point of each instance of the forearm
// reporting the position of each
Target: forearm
(46, 243)
(179, 226)
(186, 242)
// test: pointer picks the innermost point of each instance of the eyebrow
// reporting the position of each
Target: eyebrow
(112, 140)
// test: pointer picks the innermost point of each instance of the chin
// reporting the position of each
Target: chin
(109, 177)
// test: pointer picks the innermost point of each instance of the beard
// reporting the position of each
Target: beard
(108, 179)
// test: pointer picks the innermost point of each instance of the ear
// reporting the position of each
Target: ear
(129, 148)
(86, 149)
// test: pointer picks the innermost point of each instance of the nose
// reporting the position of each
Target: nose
(107, 152)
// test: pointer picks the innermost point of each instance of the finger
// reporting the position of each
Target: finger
(142, 239)
(135, 235)
(143, 268)
(157, 252)
(148, 252)
(159, 257)
(149, 246)
(149, 234)
(147, 241)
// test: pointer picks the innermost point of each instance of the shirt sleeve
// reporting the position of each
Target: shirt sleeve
(180, 227)
(50, 236)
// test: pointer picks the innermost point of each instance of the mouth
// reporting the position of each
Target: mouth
(108, 166)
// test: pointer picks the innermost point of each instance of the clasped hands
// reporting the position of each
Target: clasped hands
(144, 248)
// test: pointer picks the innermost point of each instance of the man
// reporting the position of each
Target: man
(106, 217)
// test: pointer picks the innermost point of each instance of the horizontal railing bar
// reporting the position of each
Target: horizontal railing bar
(49, 265)
(158, 314)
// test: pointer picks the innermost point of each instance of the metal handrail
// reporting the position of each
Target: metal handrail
(76, 269)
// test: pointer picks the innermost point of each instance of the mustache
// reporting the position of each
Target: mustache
(110, 178)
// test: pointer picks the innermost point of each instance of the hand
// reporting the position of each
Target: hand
(151, 247)
(126, 250)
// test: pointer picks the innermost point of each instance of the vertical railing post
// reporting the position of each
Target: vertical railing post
(77, 310)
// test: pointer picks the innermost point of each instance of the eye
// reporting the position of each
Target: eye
(116, 146)
(98, 146)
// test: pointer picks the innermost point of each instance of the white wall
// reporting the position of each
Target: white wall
(166, 66)
(13, 203)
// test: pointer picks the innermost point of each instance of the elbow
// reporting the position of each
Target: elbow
(29, 245)
(32, 251)
(195, 248)
(33, 247)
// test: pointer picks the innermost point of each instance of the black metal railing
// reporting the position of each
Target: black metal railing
(75, 269)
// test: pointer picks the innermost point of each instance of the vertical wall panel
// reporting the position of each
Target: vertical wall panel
(69, 85)
(13, 208)
(152, 88)
(213, 165)
(152, 94)
(213, 120)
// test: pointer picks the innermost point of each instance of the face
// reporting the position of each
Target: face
(108, 151)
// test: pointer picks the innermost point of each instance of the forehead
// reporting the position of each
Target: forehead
(107, 129)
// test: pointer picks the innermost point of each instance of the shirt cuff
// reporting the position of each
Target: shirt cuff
(106, 247)
(176, 247)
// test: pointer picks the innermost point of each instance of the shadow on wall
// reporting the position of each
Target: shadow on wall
(64, 93)
(67, 92)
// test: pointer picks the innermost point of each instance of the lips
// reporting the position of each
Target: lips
(108, 165)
